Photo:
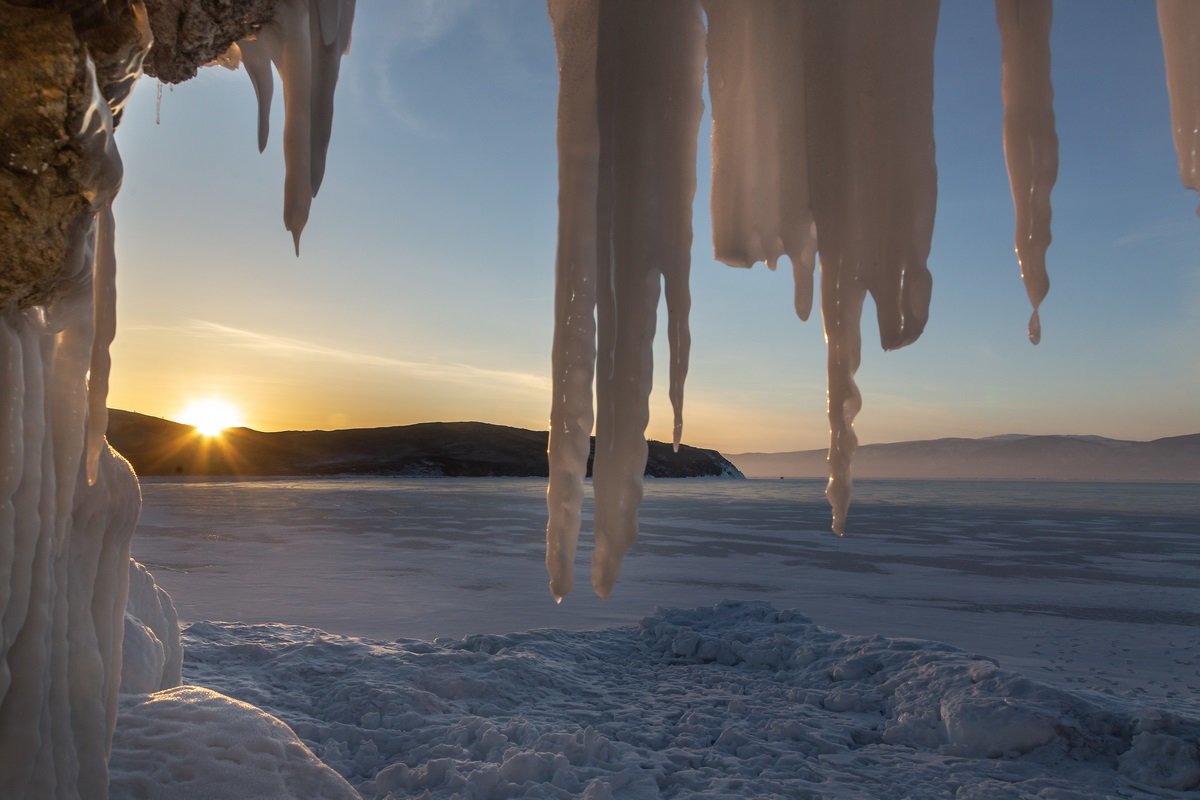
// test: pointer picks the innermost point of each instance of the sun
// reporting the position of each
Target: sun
(210, 416)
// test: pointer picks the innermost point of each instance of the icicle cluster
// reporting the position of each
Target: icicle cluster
(305, 41)
(797, 153)
(68, 505)
(822, 132)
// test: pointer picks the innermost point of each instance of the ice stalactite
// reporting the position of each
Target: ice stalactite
(1030, 141)
(630, 106)
(305, 41)
(873, 183)
(1179, 24)
(574, 351)
(649, 71)
(760, 193)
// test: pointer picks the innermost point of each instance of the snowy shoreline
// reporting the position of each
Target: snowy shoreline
(735, 700)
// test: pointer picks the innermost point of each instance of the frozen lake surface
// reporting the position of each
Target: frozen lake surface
(1090, 589)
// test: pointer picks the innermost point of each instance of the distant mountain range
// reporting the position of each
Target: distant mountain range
(1008, 457)
(453, 449)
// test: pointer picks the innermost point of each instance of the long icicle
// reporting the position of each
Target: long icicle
(576, 23)
(873, 184)
(650, 61)
(1030, 140)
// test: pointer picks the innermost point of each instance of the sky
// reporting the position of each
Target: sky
(424, 286)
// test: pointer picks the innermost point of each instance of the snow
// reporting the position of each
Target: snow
(192, 743)
(734, 700)
(992, 681)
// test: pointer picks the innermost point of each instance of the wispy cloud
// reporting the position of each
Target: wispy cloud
(398, 32)
(439, 371)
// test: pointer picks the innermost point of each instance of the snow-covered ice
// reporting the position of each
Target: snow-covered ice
(738, 700)
(1082, 613)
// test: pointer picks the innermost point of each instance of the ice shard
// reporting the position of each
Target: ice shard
(1030, 140)
(1179, 24)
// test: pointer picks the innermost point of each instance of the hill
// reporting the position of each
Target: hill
(157, 446)
(1009, 457)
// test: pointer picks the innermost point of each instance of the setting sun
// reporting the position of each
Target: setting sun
(210, 416)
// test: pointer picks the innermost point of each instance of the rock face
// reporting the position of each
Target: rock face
(191, 33)
(452, 449)
(44, 91)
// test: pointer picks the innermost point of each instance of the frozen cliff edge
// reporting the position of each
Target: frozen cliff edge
(738, 699)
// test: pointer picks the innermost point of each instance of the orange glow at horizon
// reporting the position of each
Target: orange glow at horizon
(210, 416)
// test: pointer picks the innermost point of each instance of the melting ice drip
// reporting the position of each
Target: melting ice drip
(822, 133)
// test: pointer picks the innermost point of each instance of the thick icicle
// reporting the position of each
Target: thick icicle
(576, 23)
(873, 182)
(760, 192)
(1030, 141)
(650, 61)
(1179, 25)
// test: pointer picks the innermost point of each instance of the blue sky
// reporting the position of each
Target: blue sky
(425, 281)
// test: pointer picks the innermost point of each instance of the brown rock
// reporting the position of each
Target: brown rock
(190, 33)
(44, 90)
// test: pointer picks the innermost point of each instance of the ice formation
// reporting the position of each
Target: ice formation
(68, 505)
(1179, 22)
(68, 502)
(1030, 142)
(795, 152)
(630, 114)
(305, 41)
(822, 134)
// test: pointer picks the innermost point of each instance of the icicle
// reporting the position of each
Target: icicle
(1030, 141)
(257, 61)
(104, 292)
(325, 31)
(1179, 25)
(760, 192)
(158, 104)
(305, 41)
(574, 354)
(873, 182)
(650, 60)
